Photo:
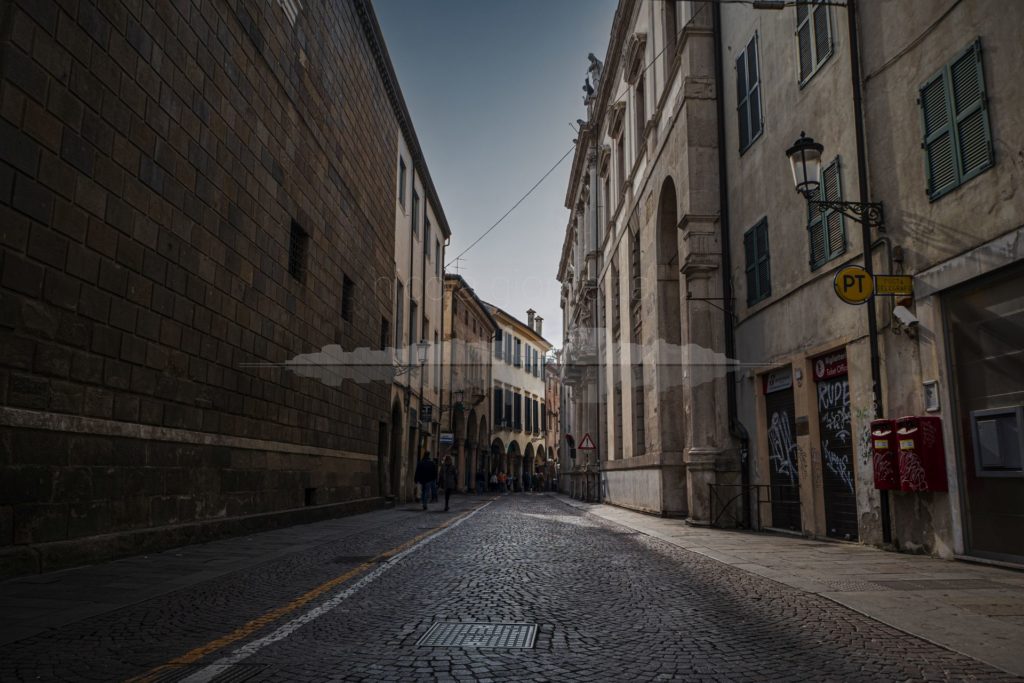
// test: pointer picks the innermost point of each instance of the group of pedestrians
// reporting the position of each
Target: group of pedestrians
(430, 477)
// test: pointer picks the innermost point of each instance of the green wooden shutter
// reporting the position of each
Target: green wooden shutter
(750, 252)
(741, 100)
(764, 278)
(834, 222)
(822, 35)
(804, 44)
(816, 235)
(827, 229)
(753, 89)
(974, 138)
(940, 160)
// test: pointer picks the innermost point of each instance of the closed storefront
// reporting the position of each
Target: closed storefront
(985, 324)
(836, 445)
(783, 465)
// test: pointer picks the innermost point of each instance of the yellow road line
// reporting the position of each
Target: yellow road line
(250, 627)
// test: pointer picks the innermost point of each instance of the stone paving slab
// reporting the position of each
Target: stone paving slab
(973, 609)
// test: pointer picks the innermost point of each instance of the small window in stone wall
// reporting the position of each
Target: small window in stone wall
(347, 291)
(297, 249)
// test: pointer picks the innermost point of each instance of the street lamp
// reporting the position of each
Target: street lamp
(805, 161)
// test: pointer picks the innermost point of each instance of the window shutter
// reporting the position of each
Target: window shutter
(751, 261)
(938, 137)
(832, 191)
(499, 405)
(822, 35)
(753, 89)
(742, 104)
(974, 139)
(803, 34)
(816, 234)
(764, 282)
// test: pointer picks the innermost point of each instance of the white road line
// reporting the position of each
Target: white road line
(218, 667)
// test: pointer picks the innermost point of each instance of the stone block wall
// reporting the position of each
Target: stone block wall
(156, 155)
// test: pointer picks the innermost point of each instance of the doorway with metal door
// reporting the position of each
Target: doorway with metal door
(783, 466)
(836, 446)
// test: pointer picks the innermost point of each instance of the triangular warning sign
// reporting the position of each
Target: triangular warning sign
(587, 444)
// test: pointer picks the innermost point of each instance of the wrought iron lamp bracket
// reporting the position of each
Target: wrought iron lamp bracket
(864, 212)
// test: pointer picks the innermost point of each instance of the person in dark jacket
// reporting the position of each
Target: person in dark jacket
(449, 479)
(426, 476)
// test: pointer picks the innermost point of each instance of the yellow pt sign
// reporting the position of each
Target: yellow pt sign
(853, 285)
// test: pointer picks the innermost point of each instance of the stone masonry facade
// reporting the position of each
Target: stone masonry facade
(161, 161)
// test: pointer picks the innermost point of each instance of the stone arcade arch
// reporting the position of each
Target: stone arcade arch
(393, 486)
(668, 367)
(467, 454)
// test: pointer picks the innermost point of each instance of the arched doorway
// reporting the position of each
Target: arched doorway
(513, 463)
(527, 473)
(497, 458)
(669, 366)
(467, 456)
(456, 448)
(394, 483)
(483, 449)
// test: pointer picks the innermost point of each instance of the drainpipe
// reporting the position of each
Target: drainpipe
(862, 180)
(736, 428)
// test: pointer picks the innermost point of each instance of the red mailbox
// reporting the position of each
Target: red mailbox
(885, 455)
(922, 456)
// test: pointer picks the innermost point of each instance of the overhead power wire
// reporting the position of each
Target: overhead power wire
(617, 99)
(521, 199)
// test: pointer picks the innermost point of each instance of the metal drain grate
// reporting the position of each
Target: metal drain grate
(480, 635)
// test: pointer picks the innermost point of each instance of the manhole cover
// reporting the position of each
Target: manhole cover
(480, 635)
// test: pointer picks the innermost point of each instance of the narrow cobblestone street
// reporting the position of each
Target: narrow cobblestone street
(609, 603)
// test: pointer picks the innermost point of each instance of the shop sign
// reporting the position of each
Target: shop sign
(778, 380)
(447, 438)
(894, 285)
(830, 365)
(853, 284)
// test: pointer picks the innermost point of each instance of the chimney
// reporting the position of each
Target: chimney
(538, 325)
(529, 317)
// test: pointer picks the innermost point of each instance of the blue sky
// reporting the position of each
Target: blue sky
(493, 86)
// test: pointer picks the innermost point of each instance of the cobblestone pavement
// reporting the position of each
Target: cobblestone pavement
(609, 603)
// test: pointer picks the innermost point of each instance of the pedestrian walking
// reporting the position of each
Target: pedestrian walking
(480, 482)
(494, 482)
(434, 484)
(449, 479)
(426, 477)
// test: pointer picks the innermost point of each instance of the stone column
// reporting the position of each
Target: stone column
(473, 457)
(703, 407)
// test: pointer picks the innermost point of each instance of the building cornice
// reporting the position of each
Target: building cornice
(458, 283)
(379, 50)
